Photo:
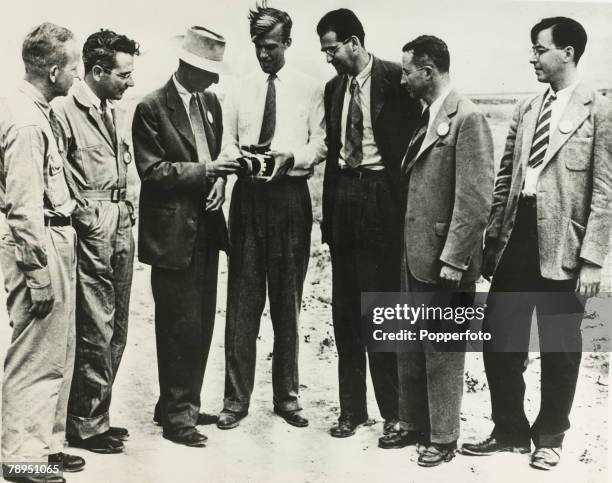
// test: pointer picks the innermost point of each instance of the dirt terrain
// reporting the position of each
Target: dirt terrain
(266, 449)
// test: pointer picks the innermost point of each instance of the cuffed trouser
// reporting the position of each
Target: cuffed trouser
(431, 380)
(105, 252)
(185, 304)
(559, 314)
(270, 225)
(39, 362)
(365, 258)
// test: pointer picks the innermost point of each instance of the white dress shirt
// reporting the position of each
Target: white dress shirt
(371, 155)
(557, 108)
(300, 118)
(434, 109)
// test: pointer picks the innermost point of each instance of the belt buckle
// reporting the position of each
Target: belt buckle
(116, 195)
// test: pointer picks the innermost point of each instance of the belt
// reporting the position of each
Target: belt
(114, 195)
(362, 173)
(58, 221)
(529, 201)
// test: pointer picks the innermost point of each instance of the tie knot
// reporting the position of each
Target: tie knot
(552, 97)
(354, 85)
(271, 77)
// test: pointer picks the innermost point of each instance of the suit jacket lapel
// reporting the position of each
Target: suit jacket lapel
(378, 88)
(530, 121)
(83, 99)
(179, 114)
(574, 115)
(446, 112)
(336, 110)
(210, 133)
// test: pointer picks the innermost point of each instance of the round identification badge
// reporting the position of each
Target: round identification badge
(127, 157)
(565, 127)
(443, 129)
(209, 116)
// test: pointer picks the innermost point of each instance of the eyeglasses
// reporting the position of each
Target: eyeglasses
(332, 51)
(126, 76)
(538, 51)
(408, 74)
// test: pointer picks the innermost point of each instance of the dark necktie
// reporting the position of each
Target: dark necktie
(353, 148)
(417, 138)
(56, 128)
(107, 117)
(268, 124)
(542, 132)
(199, 132)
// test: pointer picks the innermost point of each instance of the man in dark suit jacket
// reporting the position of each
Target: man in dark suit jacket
(177, 134)
(449, 168)
(368, 127)
(548, 233)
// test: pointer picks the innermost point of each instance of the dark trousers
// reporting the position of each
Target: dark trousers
(365, 258)
(185, 303)
(431, 379)
(559, 314)
(270, 225)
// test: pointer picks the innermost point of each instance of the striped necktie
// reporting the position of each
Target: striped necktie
(542, 134)
(353, 138)
(417, 137)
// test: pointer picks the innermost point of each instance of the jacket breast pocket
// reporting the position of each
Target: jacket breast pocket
(577, 153)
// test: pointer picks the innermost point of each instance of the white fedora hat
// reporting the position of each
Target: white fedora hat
(202, 48)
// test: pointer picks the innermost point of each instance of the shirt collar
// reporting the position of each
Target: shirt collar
(365, 74)
(184, 94)
(93, 98)
(565, 93)
(437, 104)
(33, 93)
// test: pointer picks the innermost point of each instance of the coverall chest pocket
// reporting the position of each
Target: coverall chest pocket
(93, 162)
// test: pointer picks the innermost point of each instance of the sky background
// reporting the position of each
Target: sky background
(488, 40)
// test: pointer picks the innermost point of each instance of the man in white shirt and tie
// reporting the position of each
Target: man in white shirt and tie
(280, 112)
(546, 241)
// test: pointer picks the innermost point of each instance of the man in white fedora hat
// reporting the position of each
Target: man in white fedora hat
(177, 136)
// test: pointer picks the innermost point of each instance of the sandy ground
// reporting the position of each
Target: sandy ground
(265, 448)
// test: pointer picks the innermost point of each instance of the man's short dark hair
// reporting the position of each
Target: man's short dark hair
(566, 32)
(101, 48)
(344, 23)
(262, 19)
(427, 50)
(43, 47)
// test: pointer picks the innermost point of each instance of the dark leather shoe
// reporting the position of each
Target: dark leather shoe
(30, 479)
(230, 419)
(398, 439)
(345, 427)
(100, 443)
(545, 458)
(294, 418)
(36, 479)
(70, 463)
(118, 433)
(435, 454)
(192, 438)
(390, 426)
(492, 445)
(205, 418)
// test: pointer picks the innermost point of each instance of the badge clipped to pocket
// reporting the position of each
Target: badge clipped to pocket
(127, 156)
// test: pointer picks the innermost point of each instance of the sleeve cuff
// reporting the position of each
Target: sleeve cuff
(37, 278)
